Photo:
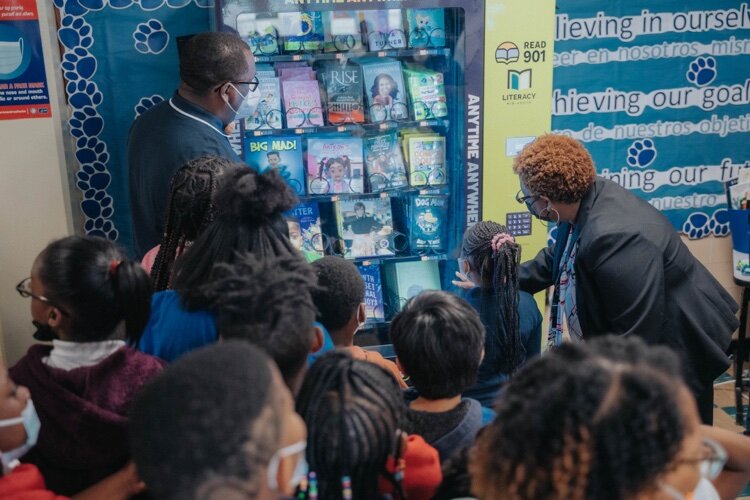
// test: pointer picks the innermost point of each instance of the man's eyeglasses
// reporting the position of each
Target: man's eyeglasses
(251, 85)
(24, 290)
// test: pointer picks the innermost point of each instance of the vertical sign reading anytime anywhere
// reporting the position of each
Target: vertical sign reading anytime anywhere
(517, 94)
(23, 82)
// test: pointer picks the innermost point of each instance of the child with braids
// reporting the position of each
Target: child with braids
(438, 338)
(355, 447)
(608, 419)
(268, 302)
(489, 271)
(89, 300)
(189, 210)
(249, 217)
(340, 301)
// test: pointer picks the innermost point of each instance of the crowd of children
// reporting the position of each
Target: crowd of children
(239, 378)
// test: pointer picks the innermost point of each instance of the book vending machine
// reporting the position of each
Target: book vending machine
(369, 110)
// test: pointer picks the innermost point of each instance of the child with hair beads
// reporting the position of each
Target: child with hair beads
(249, 217)
(355, 446)
(189, 210)
(89, 300)
(489, 271)
(340, 301)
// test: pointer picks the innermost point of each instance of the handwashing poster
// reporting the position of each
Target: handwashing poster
(23, 83)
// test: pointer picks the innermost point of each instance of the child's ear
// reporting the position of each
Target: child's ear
(361, 313)
(55, 318)
(318, 340)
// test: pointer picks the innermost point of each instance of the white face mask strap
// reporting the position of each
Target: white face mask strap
(282, 453)
(9, 422)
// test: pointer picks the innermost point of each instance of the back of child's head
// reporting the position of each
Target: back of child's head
(353, 411)
(267, 302)
(249, 217)
(211, 420)
(438, 338)
(497, 270)
(617, 424)
(189, 210)
(341, 292)
(98, 287)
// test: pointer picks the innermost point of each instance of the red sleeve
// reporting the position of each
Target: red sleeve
(25, 482)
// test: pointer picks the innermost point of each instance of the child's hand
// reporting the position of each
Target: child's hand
(501, 239)
(463, 281)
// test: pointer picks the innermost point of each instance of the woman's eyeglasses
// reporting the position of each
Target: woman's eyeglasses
(24, 290)
(523, 198)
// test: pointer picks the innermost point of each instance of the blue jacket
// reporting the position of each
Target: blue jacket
(172, 330)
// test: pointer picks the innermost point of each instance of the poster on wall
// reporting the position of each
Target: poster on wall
(659, 93)
(23, 83)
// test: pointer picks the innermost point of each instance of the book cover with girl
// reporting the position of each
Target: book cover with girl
(335, 165)
(384, 89)
(366, 226)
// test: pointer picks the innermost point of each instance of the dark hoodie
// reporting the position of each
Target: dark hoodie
(83, 413)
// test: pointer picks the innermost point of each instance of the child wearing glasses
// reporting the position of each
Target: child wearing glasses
(89, 300)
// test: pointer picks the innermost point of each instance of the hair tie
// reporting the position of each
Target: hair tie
(501, 239)
(114, 264)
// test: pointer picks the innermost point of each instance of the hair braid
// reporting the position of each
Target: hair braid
(498, 272)
(353, 411)
(190, 209)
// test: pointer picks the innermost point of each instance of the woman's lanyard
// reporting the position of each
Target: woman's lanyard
(200, 120)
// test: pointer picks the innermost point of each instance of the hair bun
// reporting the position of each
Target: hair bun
(249, 195)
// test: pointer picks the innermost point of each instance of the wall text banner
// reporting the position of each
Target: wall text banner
(659, 93)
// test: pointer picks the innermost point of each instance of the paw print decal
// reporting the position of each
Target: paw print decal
(146, 103)
(78, 64)
(641, 153)
(696, 226)
(702, 71)
(150, 37)
(74, 32)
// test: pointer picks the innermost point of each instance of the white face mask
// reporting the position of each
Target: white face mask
(710, 468)
(300, 471)
(31, 424)
(247, 106)
(11, 56)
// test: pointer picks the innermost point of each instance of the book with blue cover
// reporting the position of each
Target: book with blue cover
(267, 114)
(428, 219)
(384, 162)
(334, 164)
(283, 153)
(366, 226)
(370, 272)
(305, 233)
(426, 28)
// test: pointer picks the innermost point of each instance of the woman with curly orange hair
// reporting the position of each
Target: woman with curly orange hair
(619, 266)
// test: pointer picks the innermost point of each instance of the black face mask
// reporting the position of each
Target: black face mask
(44, 332)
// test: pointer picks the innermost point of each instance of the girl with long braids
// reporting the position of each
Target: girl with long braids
(189, 210)
(355, 448)
(248, 218)
(489, 272)
(611, 419)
